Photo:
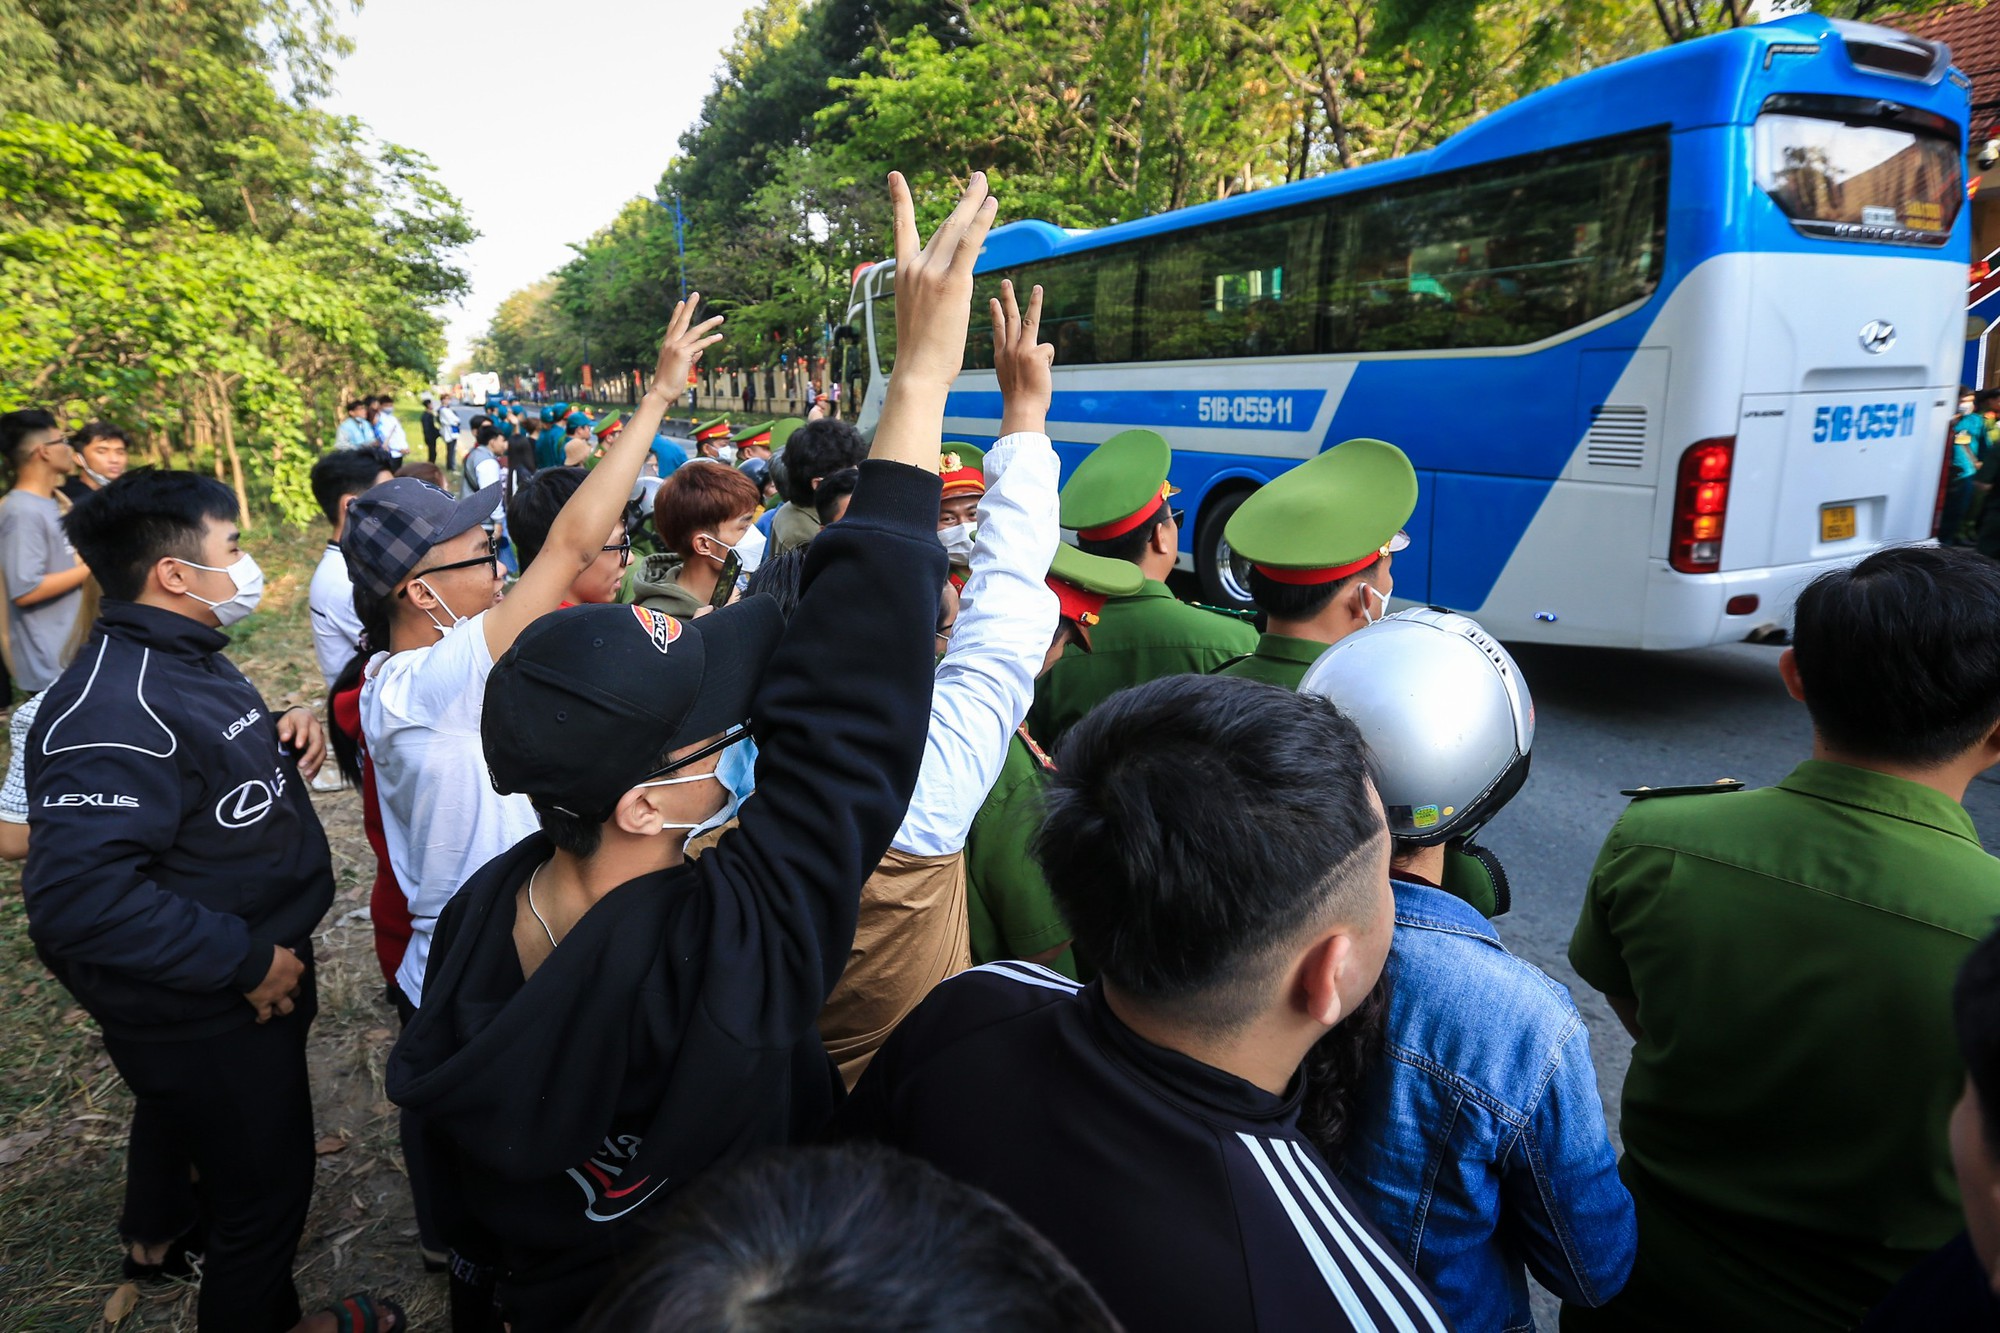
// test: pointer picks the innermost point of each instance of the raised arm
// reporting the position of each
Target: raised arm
(577, 536)
(842, 709)
(933, 309)
(987, 680)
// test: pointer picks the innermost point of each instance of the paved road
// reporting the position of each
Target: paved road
(1607, 720)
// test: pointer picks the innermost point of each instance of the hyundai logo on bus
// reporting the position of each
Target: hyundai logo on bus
(1878, 335)
(1873, 421)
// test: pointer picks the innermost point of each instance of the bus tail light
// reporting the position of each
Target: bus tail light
(1701, 503)
(1944, 485)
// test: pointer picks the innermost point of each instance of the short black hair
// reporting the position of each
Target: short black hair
(344, 472)
(846, 1239)
(532, 510)
(819, 449)
(1900, 654)
(123, 529)
(1985, 399)
(1296, 601)
(359, 402)
(1128, 546)
(831, 488)
(486, 434)
(1975, 1013)
(15, 429)
(778, 578)
(93, 431)
(1195, 824)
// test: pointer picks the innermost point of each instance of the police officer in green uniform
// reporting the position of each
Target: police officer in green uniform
(1010, 912)
(1783, 959)
(1319, 541)
(1121, 507)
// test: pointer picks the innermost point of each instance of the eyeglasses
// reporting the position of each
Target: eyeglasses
(624, 550)
(1179, 516)
(491, 559)
(716, 746)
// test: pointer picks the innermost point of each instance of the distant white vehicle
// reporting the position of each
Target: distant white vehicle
(474, 387)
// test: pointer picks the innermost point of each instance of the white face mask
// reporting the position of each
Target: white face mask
(249, 581)
(726, 453)
(749, 551)
(456, 618)
(958, 538)
(91, 472)
(1367, 588)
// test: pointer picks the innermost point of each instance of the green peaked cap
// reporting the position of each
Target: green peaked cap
(750, 433)
(1331, 510)
(1095, 573)
(1116, 480)
(782, 428)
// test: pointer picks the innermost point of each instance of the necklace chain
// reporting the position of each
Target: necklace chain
(531, 905)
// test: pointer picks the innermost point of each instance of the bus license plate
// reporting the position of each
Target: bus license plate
(1836, 522)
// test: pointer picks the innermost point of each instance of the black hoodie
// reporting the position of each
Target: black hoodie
(171, 840)
(674, 1027)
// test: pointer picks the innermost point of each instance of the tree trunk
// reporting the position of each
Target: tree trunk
(225, 415)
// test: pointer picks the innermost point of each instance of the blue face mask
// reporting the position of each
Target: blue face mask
(736, 771)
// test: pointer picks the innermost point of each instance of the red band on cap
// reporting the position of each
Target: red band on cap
(1107, 531)
(1076, 605)
(1300, 578)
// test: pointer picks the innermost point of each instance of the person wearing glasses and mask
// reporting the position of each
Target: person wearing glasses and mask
(605, 1020)
(428, 586)
(1319, 541)
(703, 513)
(533, 512)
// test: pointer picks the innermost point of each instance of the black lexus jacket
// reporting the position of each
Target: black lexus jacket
(171, 841)
(674, 1028)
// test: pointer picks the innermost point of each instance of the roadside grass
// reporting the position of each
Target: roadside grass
(64, 1112)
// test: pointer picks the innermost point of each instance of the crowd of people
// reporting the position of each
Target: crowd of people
(817, 894)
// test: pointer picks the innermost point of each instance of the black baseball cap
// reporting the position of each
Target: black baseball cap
(391, 527)
(589, 698)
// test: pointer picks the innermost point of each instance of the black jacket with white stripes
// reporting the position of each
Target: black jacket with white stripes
(1184, 1194)
(171, 842)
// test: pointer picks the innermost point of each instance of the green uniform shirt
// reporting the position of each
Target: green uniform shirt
(792, 526)
(1010, 911)
(1792, 952)
(1138, 638)
(1280, 659)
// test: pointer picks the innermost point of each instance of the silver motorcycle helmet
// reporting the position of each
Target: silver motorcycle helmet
(1446, 715)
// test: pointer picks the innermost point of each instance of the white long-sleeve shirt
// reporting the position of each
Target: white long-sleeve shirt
(1007, 616)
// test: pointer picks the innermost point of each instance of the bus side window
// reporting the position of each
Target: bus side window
(1505, 255)
(1243, 289)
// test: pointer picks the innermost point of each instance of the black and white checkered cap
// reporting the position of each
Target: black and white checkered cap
(390, 527)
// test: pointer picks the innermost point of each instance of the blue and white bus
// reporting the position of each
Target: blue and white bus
(1663, 341)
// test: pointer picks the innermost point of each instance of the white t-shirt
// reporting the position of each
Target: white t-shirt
(442, 819)
(335, 624)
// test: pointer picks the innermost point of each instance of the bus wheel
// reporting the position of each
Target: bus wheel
(1222, 577)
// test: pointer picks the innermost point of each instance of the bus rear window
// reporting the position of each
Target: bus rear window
(1846, 180)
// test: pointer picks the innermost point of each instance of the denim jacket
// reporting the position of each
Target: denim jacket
(1479, 1141)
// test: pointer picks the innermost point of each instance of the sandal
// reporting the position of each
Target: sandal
(362, 1313)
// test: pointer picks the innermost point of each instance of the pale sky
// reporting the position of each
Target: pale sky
(507, 95)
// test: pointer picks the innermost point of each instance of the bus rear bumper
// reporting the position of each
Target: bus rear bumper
(1693, 610)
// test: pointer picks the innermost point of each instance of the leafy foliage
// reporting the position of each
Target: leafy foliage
(190, 252)
(1084, 112)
